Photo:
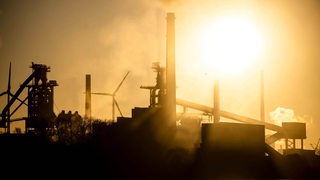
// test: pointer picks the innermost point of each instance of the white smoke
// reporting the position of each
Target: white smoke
(281, 114)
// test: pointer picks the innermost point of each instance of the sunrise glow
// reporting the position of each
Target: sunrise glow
(230, 44)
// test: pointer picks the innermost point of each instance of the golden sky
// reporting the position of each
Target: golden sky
(108, 38)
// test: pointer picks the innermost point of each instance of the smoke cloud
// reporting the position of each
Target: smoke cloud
(281, 114)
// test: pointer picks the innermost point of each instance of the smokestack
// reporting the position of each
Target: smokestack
(262, 96)
(216, 102)
(88, 98)
(171, 68)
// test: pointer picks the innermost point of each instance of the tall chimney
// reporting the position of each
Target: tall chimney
(216, 101)
(262, 96)
(171, 68)
(88, 98)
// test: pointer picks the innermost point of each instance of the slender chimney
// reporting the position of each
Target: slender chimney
(171, 68)
(88, 98)
(216, 102)
(262, 96)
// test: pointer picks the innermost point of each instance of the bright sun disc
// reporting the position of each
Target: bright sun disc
(231, 45)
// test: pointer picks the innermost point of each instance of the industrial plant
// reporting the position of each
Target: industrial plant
(155, 142)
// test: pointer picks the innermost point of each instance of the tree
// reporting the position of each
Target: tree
(70, 128)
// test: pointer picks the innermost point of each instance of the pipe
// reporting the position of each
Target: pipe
(228, 115)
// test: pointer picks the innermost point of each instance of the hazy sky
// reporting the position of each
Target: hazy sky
(107, 38)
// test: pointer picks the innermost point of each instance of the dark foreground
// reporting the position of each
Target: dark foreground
(132, 157)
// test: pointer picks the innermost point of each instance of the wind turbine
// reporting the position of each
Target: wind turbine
(113, 95)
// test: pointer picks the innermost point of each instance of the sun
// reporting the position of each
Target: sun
(230, 44)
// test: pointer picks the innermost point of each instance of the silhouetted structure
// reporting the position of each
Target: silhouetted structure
(171, 70)
(40, 101)
(157, 92)
(88, 98)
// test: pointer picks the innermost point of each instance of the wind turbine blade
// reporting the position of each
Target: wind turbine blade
(3, 93)
(116, 103)
(105, 94)
(121, 83)
(9, 80)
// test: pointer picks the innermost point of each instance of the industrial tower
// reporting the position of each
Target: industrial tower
(40, 102)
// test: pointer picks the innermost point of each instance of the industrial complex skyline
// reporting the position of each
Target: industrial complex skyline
(108, 38)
